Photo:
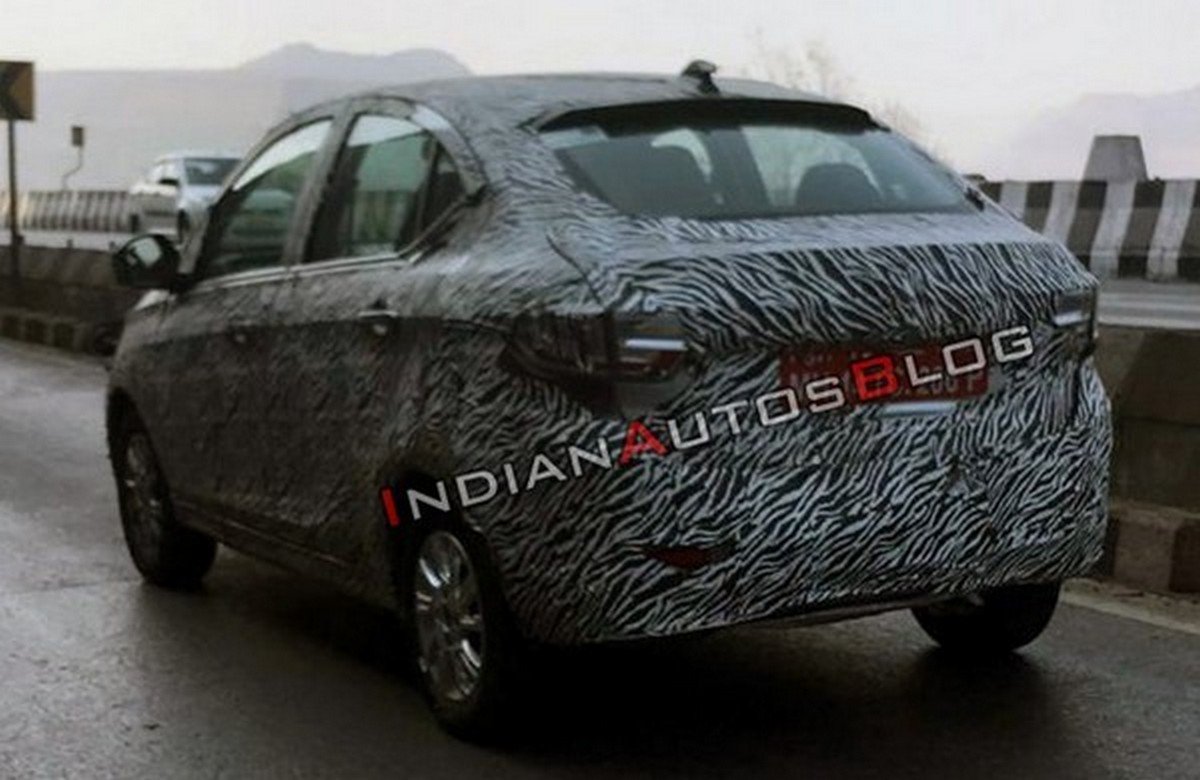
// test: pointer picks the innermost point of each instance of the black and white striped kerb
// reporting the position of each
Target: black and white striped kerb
(1142, 229)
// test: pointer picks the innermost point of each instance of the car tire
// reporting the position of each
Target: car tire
(165, 553)
(465, 648)
(183, 226)
(995, 621)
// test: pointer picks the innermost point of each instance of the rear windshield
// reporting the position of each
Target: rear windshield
(727, 159)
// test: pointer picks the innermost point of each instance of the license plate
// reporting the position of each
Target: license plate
(799, 367)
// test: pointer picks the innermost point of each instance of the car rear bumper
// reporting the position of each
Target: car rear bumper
(788, 537)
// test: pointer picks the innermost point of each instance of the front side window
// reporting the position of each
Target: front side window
(391, 180)
(743, 159)
(250, 225)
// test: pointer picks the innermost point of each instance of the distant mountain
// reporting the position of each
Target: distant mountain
(133, 116)
(305, 61)
(1055, 145)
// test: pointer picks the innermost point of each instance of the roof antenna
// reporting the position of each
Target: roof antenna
(702, 71)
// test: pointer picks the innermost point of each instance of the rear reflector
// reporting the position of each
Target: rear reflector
(690, 557)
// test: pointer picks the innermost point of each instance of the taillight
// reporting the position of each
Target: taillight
(1076, 309)
(615, 363)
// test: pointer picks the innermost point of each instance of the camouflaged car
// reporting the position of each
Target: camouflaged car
(558, 360)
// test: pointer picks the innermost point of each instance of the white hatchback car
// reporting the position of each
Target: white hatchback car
(173, 194)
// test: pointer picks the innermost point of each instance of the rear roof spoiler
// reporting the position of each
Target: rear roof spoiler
(723, 107)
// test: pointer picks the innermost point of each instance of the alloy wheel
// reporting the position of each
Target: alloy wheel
(449, 618)
(142, 492)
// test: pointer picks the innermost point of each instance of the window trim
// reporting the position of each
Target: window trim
(246, 278)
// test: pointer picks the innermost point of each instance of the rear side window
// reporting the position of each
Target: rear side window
(391, 180)
(734, 159)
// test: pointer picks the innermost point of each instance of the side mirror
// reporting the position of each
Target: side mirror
(169, 181)
(148, 262)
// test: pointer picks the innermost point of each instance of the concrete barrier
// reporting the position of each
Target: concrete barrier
(1141, 229)
(65, 297)
(91, 211)
(1155, 547)
(1153, 379)
(74, 210)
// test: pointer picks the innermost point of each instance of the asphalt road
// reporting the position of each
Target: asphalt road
(264, 674)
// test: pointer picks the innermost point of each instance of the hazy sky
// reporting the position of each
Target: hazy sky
(972, 71)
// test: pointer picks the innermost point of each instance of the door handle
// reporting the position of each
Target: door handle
(380, 321)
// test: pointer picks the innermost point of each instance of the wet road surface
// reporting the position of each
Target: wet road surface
(1138, 303)
(265, 674)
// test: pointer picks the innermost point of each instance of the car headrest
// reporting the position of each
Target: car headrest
(643, 179)
(834, 187)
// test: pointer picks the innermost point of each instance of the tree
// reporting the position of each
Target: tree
(812, 67)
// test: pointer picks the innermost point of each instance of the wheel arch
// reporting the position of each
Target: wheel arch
(424, 474)
(401, 540)
(118, 407)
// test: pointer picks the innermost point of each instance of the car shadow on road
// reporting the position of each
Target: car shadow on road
(866, 698)
(820, 699)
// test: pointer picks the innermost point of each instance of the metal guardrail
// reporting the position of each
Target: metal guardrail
(105, 211)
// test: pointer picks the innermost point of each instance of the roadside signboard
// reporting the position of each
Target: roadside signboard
(16, 104)
(16, 90)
